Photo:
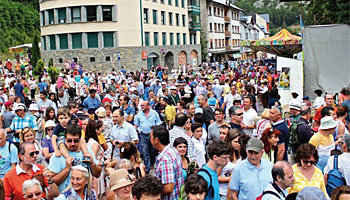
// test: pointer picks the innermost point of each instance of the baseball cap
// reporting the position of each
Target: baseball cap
(255, 144)
(294, 106)
(19, 106)
(8, 103)
(327, 123)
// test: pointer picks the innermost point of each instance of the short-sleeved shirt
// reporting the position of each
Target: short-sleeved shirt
(47, 143)
(208, 115)
(214, 183)
(26, 121)
(58, 130)
(283, 137)
(19, 90)
(57, 164)
(144, 123)
(250, 180)
(168, 169)
(177, 132)
(7, 158)
(42, 86)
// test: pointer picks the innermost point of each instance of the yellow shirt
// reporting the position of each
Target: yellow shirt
(170, 113)
(320, 140)
(300, 182)
(101, 138)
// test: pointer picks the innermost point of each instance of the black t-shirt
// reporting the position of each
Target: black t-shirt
(208, 115)
(284, 136)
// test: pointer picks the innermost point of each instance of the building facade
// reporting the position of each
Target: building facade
(114, 33)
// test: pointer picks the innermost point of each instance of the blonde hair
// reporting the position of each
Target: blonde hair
(265, 114)
(25, 131)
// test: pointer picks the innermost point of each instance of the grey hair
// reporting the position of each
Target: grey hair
(4, 131)
(29, 184)
(123, 163)
(304, 110)
(233, 109)
(82, 169)
(277, 109)
(346, 140)
(204, 97)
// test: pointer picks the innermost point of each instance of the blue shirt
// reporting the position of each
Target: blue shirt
(130, 110)
(155, 88)
(283, 137)
(42, 86)
(124, 133)
(91, 103)
(19, 90)
(249, 180)
(215, 182)
(7, 158)
(144, 123)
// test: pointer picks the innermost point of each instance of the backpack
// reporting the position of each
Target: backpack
(293, 131)
(211, 181)
(335, 178)
(267, 192)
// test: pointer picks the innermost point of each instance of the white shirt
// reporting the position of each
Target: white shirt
(248, 119)
(229, 98)
(343, 165)
(319, 101)
(199, 151)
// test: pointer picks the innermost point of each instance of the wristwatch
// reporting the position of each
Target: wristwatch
(50, 181)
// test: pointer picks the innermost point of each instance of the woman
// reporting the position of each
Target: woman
(121, 185)
(263, 123)
(196, 187)
(50, 114)
(80, 187)
(341, 129)
(53, 98)
(32, 190)
(270, 138)
(28, 135)
(341, 193)
(305, 171)
(180, 107)
(129, 151)
(180, 145)
(224, 174)
(46, 143)
(32, 87)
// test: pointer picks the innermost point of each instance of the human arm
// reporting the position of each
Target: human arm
(95, 147)
(232, 194)
(46, 153)
(280, 151)
(130, 118)
(54, 145)
(168, 188)
(222, 179)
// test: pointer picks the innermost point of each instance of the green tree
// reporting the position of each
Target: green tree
(53, 72)
(39, 67)
(204, 45)
(35, 51)
(328, 12)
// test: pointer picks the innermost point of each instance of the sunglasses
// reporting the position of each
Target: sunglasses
(29, 196)
(239, 114)
(309, 162)
(131, 171)
(70, 140)
(31, 154)
(49, 129)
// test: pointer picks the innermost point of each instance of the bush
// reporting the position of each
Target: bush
(53, 72)
(39, 67)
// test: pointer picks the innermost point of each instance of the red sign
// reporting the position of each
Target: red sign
(144, 55)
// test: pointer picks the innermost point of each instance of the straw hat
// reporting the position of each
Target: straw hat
(120, 178)
(101, 112)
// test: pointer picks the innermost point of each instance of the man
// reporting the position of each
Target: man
(44, 103)
(26, 170)
(223, 131)
(73, 109)
(317, 118)
(168, 166)
(8, 154)
(8, 115)
(122, 132)
(179, 131)
(304, 132)
(190, 110)
(160, 91)
(201, 89)
(236, 115)
(127, 108)
(283, 177)
(61, 167)
(19, 90)
(217, 89)
(155, 87)
(249, 115)
(294, 111)
(207, 111)
(92, 102)
(251, 176)
(143, 122)
(213, 130)
(43, 85)
(279, 124)
(218, 153)
(147, 188)
(343, 160)
(174, 96)
(229, 98)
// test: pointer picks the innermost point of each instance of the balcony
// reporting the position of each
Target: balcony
(194, 26)
(194, 9)
(227, 19)
(227, 34)
(228, 47)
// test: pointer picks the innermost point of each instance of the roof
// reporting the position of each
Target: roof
(22, 46)
(226, 3)
(266, 17)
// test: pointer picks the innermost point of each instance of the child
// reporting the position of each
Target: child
(63, 117)
(199, 147)
(196, 187)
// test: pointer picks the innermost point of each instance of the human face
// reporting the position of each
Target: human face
(333, 114)
(308, 164)
(235, 144)
(273, 139)
(274, 115)
(149, 197)
(288, 177)
(198, 196)
(223, 133)
(246, 103)
(42, 96)
(84, 123)
(118, 118)
(124, 192)
(28, 137)
(254, 157)
(52, 114)
(20, 112)
(219, 116)
(78, 180)
(188, 124)
(191, 110)
(72, 142)
(198, 133)
(182, 149)
(93, 95)
(144, 106)
(329, 100)
(233, 89)
(49, 131)
(200, 100)
(238, 117)
(222, 160)
(30, 154)
(344, 196)
(63, 120)
(2, 139)
(33, 193)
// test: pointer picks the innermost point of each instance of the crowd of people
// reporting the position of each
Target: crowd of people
(211, 132)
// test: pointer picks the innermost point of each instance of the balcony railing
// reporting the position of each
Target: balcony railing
(194, 26)
(195, 9)
(228, 47)
(227, 19)
(227, 33)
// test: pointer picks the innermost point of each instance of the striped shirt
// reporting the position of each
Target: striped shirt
(177, 132)
(26, 121)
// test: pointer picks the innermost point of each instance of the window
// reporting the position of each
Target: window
(108, 58)
(92, 59)
(177, 3)
(60, 60)
(155, 38)
(76, 14)
(177, 20)
(108, 40)
(107, 13)
(51, 17)
(91, 13)
(183, 20)
(171, 38)
(178, 38)
(183, 3)
(44, 42)
(92, 40)
(61, 12)
(184, 38)
(154, 0)
(147, 38)
(63, 41)
(76, 41)
(162, 17)
(145, 15)
(162, 1)
(164, 38)
(52, 42)
(170, 18)
(210, 27)
(169, 2)
(155, 20)
(209, 11)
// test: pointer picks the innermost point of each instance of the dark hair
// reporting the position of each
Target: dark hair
(147, 185)
(341, 111)
(243, 140)
(231, 135)
(340, 190)
(180, 119)
(127, 150)
(126, 98)
(43, 93)
(91, 130)
(305, 151)
(218, 148)
(195, 125)
(304, 110)
(47, 114)
(232, 110)
(161, 133)
(278, 170)
(71, 104)
(195, 184)
(325, 111)
(188, 105)
(182, 103)
(199, 117)
(73, 129)
(268, 132)
(219, 110)
(22, 147)
(179, 140)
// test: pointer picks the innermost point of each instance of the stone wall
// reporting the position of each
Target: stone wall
(130, 57)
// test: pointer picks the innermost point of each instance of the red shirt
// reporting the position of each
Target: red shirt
(318, 115)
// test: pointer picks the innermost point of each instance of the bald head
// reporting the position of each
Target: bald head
(304, 110)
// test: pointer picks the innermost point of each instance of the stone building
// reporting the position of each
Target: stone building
(113, 33)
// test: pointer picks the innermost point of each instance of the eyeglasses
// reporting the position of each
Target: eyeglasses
(49, 129)
(225, 157)
(70, 140)
(29, 196)
(309, 162)
(239, 114)
(31, 154)
(19, 110)
(130, 171)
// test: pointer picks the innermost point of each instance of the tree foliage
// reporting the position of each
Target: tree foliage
(328, 12)
(39, 67)
(35, 51)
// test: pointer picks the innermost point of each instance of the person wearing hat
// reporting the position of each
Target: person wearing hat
(121, 185)
(8, 115)
(43, 85)
(329, 102)
(91, 103)
(46, 143)
(243, 184)
(174, 96)
(323, 140)
(319, 101)
(306, 100)
(295, 111)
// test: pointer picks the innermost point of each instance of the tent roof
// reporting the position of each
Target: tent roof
(283, 35)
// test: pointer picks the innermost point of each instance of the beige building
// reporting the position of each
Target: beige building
(107, 33)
